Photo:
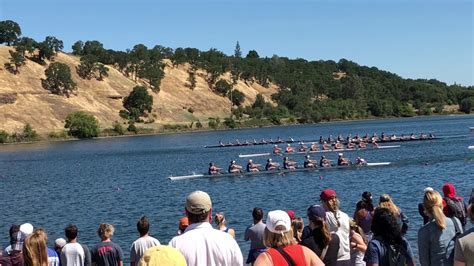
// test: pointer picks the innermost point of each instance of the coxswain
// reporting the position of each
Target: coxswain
(234, 168)
(326, 146)
(252, 167)
(309, 163)
(341, 161)
(323, 162)
(288, 164)
(302, 147)
(362, 145)
(271, 165)
(289, 149)
(276, 150)
(338, 146)
(213, 169)
(314, 147)
(361, 161)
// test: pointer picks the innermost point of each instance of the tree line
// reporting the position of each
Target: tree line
(309, 91)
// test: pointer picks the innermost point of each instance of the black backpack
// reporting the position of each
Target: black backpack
(456, 209)
(396, 255)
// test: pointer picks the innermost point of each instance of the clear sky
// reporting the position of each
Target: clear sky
(412, 38)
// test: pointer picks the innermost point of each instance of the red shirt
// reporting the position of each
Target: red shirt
(295, 251)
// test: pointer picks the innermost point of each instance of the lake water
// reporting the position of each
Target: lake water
(118, 180)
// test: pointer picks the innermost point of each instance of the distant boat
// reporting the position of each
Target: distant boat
(471, 128)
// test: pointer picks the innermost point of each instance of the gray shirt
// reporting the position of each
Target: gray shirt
(75, 254)
(254, 233)
(464, 250)
(140, 246)
(435, 245)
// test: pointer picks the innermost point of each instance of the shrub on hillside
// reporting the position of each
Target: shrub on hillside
(82, 125)
(3, 136)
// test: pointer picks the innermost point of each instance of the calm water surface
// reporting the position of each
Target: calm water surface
(118, 180)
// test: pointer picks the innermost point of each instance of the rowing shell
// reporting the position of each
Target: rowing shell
(319, 151)
(471, 147)
(279, 172)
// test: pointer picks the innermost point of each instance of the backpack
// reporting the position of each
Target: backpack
(456, 209)
(396, 255)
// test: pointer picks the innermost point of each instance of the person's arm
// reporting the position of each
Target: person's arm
(133, 255)
(459, 263)
(359, 243)
(231, 232)
(87, 256)
(311, 258)
(423, 247)
(263, 260)
(247, 234)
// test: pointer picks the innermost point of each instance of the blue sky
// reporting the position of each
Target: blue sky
(412, 38)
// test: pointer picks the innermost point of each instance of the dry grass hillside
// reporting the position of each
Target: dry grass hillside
(23, 100)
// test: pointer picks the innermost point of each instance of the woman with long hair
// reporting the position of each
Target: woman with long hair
(436, 238)
(320, 239)
(282, 247)
(297, 226)
(387, 239)
(358, 245)
(387, 202)
(35, 252)
(222, 224)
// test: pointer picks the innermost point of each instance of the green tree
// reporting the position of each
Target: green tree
(26, 44)
(16, 60)
(222, 87)
(77, 48)
(467, 105)
(10, 31)
(87, 66)
(29, 133)
(191, 78)
(102, 70)
(58, 79)
(252, 54)
(82, 125)
(237, 97)
(237, 52)
(3, 136)
(137, 102)
(259, 101)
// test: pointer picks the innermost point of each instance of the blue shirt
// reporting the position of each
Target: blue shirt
(377, 252)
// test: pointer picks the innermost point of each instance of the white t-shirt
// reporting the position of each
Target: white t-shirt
(140, 246)
(203, 245)
(342, 232)
(72, 254)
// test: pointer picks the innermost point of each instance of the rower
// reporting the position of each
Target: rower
(350, 145)
(341, 161)
(277, 150)
(221, 144)
(338, 146)
(326, 146)
(288, 164)
(361, 161)
(213, 169)
(234, 168)
(412, 136)
(362, 145)
(375, 144)
(271, 165)
(252, 167)
(302, 147)
(323, 162)
(309, 163)
(289, 149)
(314, 147)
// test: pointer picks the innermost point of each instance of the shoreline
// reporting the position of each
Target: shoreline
(53, 140)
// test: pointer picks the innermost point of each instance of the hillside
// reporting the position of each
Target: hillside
(23, 100)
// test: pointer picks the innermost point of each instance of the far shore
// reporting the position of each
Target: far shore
(195, 130)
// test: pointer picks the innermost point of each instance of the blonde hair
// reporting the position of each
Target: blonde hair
(433, 204)
(105, 230)
(387, 202)
(297, 226)
(35, 252)
(273, 240)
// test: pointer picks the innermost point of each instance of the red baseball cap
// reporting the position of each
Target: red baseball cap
(327, 194)
(291, 213)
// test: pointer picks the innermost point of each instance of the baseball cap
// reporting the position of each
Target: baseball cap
(26, 228)
(278, 218)
(316, 212)
(292, 214)
(162, 255)
(60, 242)
(198, 202)
(340, 154)
(327, 194)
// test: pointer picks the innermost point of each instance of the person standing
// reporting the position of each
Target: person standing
(221, 224)
(282, 247)
(73, 253)
(35, 252)
(338, 222)
(143, 243)
(453, 206)
(435, 239)
(202, 244)
(254, 233)
(464, 248)
(106, 253)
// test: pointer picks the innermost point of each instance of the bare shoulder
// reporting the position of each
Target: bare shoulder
(263, 260)
(311, 257)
